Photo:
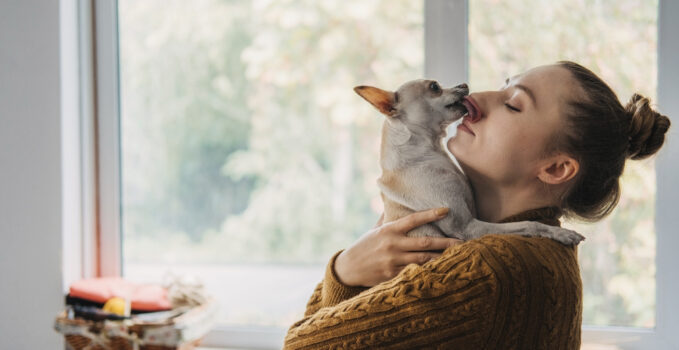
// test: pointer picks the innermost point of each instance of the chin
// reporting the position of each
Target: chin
(453, 147)
(456, 149)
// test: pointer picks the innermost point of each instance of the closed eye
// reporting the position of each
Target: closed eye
(512, 108)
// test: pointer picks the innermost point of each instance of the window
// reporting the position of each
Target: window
(246, 157)
(189, 74)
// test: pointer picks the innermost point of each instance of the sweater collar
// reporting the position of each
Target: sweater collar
(546, 215)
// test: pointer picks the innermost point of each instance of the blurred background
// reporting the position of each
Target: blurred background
(247, 159)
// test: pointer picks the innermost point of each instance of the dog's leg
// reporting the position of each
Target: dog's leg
(453, 224)
(477, 228)
(426, 230)
(429, 188)
(394, 211)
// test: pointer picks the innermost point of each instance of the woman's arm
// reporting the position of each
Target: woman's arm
(330, 291)
(384, 251)
(496, 292)
(443, 301)
(373, 261)
(377, 256)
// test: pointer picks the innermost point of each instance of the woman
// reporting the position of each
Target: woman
(553, 141)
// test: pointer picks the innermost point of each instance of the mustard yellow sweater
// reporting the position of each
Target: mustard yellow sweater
(496, 292)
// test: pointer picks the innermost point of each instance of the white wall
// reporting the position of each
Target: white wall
(30, 175)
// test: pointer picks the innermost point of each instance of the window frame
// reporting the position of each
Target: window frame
(106, 140)
(446, 58)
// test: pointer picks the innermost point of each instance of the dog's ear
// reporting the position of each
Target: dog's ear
(382, 100)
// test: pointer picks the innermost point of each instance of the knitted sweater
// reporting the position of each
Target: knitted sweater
(495, 292)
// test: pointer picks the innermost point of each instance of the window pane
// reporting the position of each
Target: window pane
(247, 158)
(617, 40)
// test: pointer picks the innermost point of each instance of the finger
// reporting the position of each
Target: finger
(409, 222)
(415, 258)
(414, 244)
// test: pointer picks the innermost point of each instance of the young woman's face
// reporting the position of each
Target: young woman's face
(505, 140)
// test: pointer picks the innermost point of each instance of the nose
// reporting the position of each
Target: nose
(462, 86)
(486, 102)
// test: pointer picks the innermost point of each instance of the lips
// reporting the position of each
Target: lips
(466, 126)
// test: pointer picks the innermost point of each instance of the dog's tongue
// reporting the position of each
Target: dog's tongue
(473, 114)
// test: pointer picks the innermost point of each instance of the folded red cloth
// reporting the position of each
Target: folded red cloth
(143, 297)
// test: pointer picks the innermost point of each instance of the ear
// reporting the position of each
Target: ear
(558, 169)
(381, 99)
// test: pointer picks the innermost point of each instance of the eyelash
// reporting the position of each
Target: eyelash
(512, 108)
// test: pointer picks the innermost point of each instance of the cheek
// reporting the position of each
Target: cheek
(499, 159)
(519, 155)
(514, 147)
(479, 154)
(503, 156)
(492, 144)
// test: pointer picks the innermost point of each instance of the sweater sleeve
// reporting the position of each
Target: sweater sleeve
(330, 291)
(450, 295)
(500, 291)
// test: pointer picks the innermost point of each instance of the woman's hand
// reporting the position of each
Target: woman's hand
(381, 253)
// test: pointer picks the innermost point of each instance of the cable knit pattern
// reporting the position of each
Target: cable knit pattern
(496, 292)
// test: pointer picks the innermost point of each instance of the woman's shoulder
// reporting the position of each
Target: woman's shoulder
(520, 243)
(515, 257)
(529, 288)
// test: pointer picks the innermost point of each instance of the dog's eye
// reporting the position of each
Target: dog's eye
(434, 87)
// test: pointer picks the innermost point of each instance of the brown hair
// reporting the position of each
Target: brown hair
(602, 134)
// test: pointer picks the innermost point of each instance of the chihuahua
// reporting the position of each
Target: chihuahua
(418, 174)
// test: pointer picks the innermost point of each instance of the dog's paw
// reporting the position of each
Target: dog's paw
(568, 237)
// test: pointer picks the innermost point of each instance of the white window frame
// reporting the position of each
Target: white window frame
(446, 59)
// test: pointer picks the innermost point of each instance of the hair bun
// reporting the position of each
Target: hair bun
(647, 128)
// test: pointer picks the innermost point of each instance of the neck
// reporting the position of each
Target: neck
(496, 202)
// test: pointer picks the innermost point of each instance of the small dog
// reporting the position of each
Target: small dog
(417, 173)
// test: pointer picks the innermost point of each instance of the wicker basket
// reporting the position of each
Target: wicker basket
(179, 333)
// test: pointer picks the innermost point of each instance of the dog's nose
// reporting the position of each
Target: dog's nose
(462, 89)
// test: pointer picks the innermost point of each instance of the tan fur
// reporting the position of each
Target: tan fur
(393, 210)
